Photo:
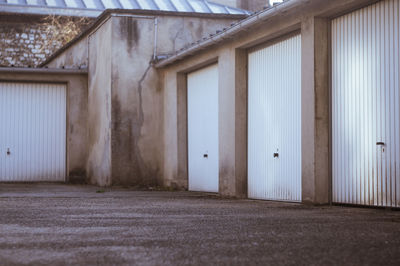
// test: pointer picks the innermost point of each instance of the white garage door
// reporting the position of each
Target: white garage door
(365, 108)
(274, 122)
(203, 129)
(32, 132)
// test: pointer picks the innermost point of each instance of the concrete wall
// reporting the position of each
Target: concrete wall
(75, 56)
(312, 19)
(99, 106)
(137, 96)
(125, 97)
(77, 112)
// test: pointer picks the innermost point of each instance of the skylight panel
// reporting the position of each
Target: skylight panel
(127, 4)
(90, 4)
(13, 2)
(71, 3)
(51, 3)
(108, 4)
(233, 11)
(164, 5)
(216, 8)
(182, 6)
(198, 6)
(35, 2)
(145, 4)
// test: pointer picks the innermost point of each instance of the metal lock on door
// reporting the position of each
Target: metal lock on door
(382, 145)
(8, 151)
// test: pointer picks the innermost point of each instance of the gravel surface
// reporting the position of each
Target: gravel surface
(53, 224)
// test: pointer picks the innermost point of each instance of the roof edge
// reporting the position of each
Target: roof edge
(228, 33)
(28, 70)
(108, 12)
(49, 10)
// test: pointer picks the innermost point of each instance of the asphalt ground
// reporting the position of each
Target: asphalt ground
(54, 224)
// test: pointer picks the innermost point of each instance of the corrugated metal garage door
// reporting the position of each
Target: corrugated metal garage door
(32, 133)
(274, 122)
(203, 129)
(365, 108)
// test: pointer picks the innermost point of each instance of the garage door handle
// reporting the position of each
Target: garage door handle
(205, 155)
(276, 155)
(8, 151)
(380, 143)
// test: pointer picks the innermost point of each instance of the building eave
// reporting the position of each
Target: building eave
(28, 70)
(229, 33)
(108, 12)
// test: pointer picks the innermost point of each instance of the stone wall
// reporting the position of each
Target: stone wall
(23, 41)
(23, 45)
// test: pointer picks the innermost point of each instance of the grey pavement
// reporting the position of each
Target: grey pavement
(54, 224)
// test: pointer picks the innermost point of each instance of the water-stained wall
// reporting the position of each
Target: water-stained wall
(99, 105)
(125, 98)
(137, 97)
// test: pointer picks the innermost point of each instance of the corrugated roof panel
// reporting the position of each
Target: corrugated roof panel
(33, 2)
(182, 6)
(14, 2)
(127, 4)
(164, 5)
(216, 8)
(234, 10)
(51, 2)
(200, 6)
(71, 3)
(145, 4)
(91, 4)
(109, 4)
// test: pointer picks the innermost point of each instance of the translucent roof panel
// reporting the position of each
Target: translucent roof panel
(165, 5)
(200, 6)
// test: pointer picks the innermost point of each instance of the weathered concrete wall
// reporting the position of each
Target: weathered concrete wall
(99, 106)
(125, 95)
(312, 19)
(77, 113)
(137, 97)
(75, 56)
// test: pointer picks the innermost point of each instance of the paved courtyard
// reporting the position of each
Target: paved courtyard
(82, 225)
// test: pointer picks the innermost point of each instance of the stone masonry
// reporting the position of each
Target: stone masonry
(23, 45)
(24, 41)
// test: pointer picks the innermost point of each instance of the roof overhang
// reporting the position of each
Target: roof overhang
(42, 10)
(109, 12)
(333, 9)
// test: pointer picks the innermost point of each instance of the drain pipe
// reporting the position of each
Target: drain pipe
(155, 38)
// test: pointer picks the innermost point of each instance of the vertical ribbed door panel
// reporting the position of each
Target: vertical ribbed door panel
(203, 129)
(32, 132)
(274, 121)
(365, 106)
